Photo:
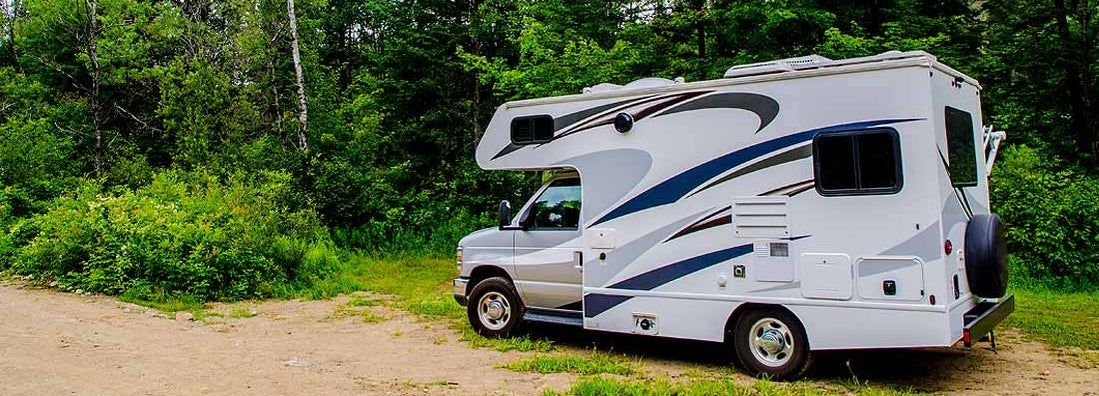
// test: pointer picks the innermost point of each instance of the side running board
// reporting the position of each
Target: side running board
(555, 317)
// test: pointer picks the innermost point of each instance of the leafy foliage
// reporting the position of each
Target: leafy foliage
(183, 234)
(111, 98)
(1052, 218)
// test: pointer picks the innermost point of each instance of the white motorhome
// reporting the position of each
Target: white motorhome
(792, 206)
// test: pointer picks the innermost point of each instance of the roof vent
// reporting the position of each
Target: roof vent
(778, 66)
(648, 82)
(604, 87)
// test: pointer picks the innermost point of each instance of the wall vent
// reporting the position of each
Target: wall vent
(761, 217)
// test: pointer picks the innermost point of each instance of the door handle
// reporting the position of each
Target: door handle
(578, 258)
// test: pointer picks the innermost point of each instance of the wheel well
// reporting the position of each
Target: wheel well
(484, 272)
(748, 307)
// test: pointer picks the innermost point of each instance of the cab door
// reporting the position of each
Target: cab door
(548, 250)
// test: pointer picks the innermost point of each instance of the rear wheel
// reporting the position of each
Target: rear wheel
(494, 308)
(771, 342)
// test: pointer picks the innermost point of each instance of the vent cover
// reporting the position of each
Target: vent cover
(761, 217)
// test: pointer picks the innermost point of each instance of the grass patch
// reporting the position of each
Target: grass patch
(421, 284)
(1058, 319)
(363, 302)
(170, 305)
(596, 363)
(706, 387)
(242, 313)
(370, 317)
(363, 313)
(516, 343)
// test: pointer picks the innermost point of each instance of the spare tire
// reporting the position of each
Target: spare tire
(986, 256)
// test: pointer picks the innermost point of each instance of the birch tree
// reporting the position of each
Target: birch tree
(303, 111)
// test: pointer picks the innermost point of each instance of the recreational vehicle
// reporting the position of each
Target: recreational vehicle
(792, 206)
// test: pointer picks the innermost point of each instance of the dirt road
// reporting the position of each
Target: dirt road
(57, 343)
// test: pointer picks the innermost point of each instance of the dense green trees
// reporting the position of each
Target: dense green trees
(123, 94)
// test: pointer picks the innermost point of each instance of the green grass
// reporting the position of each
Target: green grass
(1058, 319)
(363, 302)
(421, 284)
(170, 305)
(242, 313)
(709, 387)
(596, 363)
(516, 343)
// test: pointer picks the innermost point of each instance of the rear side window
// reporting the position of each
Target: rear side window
(961, 147)
(857, 162)
(532, 129)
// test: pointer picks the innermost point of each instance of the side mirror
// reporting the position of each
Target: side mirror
(504, 218)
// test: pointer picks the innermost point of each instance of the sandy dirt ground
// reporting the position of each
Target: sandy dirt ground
(54, 343)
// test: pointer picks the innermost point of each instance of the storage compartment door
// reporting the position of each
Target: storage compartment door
(826, 276)
(890, 278)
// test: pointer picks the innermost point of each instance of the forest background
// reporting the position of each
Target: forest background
(222, 150)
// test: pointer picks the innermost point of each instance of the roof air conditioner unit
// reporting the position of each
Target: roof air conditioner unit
(778, 66)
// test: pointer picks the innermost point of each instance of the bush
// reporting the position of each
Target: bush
(183, 235)
(1052, 218)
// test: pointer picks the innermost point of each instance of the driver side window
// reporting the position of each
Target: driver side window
(559, 206)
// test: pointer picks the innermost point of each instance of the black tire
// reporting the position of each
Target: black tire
(494, 308)
(792, 357)
(986, 256)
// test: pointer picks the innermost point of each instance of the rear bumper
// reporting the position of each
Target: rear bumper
(460, 290)
(980, 320)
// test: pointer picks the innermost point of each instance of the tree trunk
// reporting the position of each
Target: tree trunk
(700, 8)
(92, 48)
(11, 10)
(303, 114)
(1081, 122)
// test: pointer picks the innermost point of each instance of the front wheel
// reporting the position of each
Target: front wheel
(771, 342)
(494, 308)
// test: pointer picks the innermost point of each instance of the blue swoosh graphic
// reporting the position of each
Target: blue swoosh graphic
(597, 303)
(673, 189)
(666, 274)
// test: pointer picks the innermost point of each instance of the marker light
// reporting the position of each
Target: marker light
(948, 247)
(459, 260)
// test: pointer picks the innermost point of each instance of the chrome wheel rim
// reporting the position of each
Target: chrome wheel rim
(771, 341)
(494, 311)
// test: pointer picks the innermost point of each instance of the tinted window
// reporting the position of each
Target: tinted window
(836, 168)
(532, 129)
(878, 164)
(859, 162)
(558, 206)
(961, 148)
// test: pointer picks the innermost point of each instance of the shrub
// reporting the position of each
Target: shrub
(1052, 218)
(184, 234)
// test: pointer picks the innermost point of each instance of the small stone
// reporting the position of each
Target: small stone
(1046, 372)
(295, 362)
(79, 291)
(53, 284)
(184, 317)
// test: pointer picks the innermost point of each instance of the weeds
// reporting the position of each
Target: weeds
(242, 313)
(518, 343)
(595, 363)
